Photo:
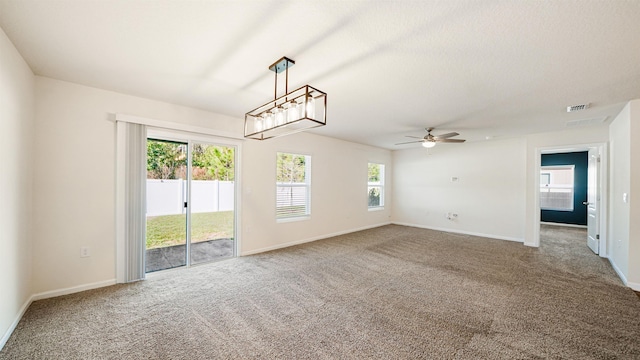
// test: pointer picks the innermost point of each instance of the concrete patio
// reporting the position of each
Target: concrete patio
(173, 256)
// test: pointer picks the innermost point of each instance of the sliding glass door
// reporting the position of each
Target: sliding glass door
(166, 230)
(190, 203)
(212, 202)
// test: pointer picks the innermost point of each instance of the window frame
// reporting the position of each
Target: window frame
(376, 184)
(307, 184)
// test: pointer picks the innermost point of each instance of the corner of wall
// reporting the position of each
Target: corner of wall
(633, 196)
(619, 183)
(17, 107)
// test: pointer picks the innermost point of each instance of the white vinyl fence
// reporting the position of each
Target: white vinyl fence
(167, 197)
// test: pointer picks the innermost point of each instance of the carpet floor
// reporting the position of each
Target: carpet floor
(392, 292)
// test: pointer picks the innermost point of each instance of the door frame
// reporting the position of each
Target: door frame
(602, 149)
(190, 138)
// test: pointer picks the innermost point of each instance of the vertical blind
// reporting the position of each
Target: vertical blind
(131, 203)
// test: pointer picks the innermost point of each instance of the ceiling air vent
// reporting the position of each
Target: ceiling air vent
(577, 107)
(587, 122)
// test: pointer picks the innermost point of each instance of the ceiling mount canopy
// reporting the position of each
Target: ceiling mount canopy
(295, 111)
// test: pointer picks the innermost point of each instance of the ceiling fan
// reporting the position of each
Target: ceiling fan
(430, 141)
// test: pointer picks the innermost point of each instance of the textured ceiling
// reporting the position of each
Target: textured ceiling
(390, 68)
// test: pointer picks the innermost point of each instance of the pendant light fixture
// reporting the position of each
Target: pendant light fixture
(295, 111)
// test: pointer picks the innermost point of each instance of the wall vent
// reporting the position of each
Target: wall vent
(577, 107)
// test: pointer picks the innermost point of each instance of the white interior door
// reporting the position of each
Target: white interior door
(593, 201)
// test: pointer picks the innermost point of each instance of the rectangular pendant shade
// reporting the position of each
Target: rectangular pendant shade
(299, 110)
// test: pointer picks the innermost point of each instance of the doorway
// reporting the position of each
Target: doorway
(190, 202)
(593, 207)
(563, 188)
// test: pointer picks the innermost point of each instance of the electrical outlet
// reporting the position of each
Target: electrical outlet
(85, 252)
(451, 216)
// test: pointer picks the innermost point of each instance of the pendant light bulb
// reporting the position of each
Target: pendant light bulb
(311, 107)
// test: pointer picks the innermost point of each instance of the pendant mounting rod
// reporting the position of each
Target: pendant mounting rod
(283, 64)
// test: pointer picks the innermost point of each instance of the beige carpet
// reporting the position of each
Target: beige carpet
(391, 293)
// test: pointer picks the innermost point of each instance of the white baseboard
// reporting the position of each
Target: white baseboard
(46, 295)
(563, 225)
(298, 242)
(491, 236)
(74, 289)
(15, 322)
(618, 271)
(633, 286)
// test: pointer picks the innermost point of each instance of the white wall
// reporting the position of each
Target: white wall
(634, 191)
(625, 178)
(338, 190)
(74, 186)
(620, 148)
(16, 146)
(489, 195)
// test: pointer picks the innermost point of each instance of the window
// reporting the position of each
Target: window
(293, 185)
(376, 185)
(556, 187)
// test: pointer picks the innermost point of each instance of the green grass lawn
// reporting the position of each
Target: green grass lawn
(171, 229)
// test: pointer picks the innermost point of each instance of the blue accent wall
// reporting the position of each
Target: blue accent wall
(579, 214)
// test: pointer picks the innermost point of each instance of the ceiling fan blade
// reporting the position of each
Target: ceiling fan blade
(450, 140)
(414, 137)
(409, 142)
(447, 135)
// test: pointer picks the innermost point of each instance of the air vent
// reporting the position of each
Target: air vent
(587, 122)
(577, 107)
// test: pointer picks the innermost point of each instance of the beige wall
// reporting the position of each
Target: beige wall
(338, 190)
(496, 181)
(75, 185)
(16, 147)
(489, 195)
